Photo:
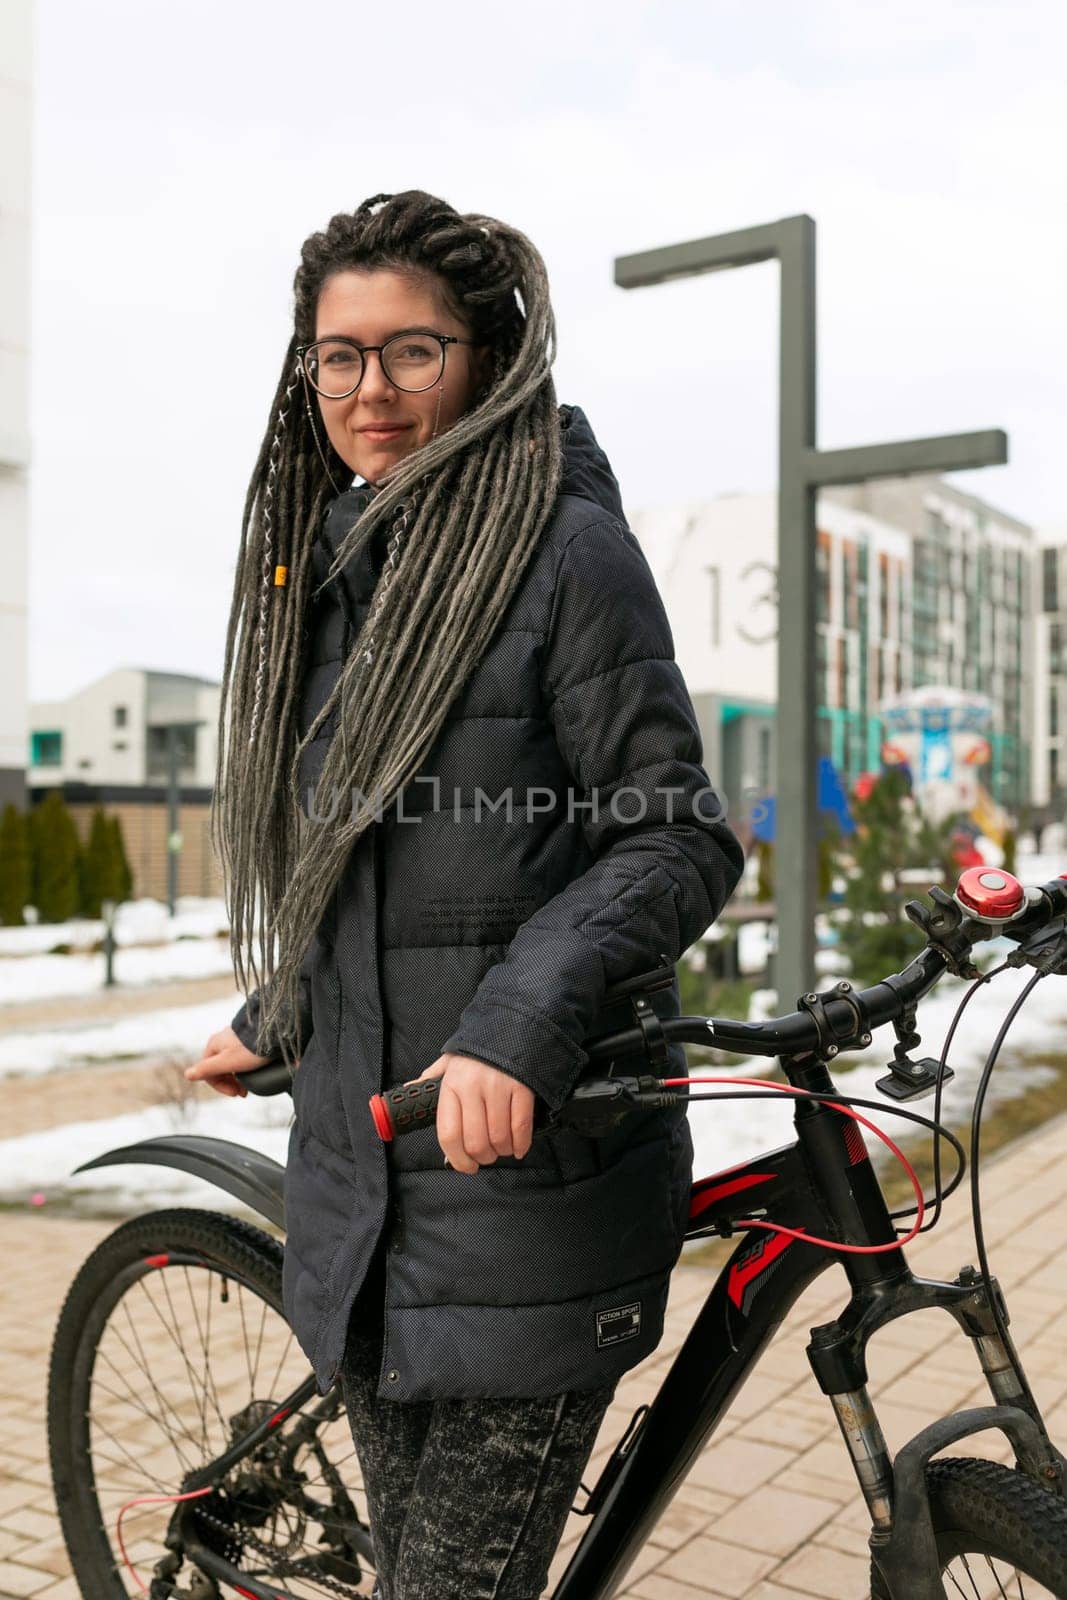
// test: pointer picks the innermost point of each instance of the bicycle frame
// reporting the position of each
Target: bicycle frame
(824, 1180)
(823, 1184)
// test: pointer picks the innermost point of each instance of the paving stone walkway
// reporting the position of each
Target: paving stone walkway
(769, 1511)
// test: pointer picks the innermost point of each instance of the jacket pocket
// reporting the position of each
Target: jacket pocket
(514, 1237)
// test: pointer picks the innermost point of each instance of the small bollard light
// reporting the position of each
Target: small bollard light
(107, 911)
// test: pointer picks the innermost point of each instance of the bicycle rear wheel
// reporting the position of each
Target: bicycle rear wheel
(999, 1534)
(171, 1345)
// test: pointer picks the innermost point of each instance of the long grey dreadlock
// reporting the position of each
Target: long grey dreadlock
(465, 513)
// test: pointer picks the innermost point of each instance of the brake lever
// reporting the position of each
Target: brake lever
(600, 1106)
(1046, 950)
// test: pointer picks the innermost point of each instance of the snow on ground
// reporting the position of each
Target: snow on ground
(62, 977)
(150, 947)
(39, 1168)
(173, 1031)
(136, 922)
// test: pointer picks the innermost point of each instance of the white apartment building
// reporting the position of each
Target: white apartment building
(1050, 673)
(918, 584)
(973, 607)
(715, 562)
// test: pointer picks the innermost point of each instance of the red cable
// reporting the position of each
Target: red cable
(847, 1111)
(149, 1500)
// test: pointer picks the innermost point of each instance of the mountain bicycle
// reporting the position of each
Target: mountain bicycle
(178, 1402)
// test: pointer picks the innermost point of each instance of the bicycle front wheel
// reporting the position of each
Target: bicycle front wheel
(998, 1533)
(170, 1348)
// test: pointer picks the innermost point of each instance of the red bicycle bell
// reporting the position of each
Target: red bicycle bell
(990, 894)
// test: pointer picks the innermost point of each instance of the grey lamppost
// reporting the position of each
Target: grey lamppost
(802, 470)
(174, 837)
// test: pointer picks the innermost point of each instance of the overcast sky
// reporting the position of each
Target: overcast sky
(182, 154)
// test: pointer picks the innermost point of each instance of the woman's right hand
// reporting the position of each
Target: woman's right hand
(224, 1059)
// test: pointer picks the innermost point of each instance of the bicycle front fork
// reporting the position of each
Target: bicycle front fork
(837, 1352)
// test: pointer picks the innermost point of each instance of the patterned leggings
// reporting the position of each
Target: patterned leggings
(467, 1498)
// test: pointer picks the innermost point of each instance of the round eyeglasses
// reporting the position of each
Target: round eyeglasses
(410, 361)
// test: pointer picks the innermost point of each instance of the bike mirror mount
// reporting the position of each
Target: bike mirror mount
(908, 1079)
(947, 930)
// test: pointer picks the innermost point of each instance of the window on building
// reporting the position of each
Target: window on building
(119, 713)
(1053, 770)
(1053, 711)
(1055, 647)
(157, 754)
(46, 748)
(985, 568)
(852, 584)
(823, 559)
(1050, 579)
(119, 744)
(883, 595)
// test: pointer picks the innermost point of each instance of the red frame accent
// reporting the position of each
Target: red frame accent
(742, 1273)
(855, 1144)
(703, 1196)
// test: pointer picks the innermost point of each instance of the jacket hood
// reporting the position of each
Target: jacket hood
(586, 472)
(586, 469)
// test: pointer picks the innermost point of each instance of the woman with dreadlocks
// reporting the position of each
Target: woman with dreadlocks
(460, 796)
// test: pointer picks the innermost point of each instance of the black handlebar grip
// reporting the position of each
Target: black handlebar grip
(400, 1110)
(274, 1078)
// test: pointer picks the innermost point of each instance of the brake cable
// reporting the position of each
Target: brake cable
(941, 1194)
(846, 1109)
(767, 1091)
(976, 1199)
(935, 1125)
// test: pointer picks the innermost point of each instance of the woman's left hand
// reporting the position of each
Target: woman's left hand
(482, 1112)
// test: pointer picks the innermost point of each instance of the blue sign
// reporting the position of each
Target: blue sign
(832, 801)
(935, 754)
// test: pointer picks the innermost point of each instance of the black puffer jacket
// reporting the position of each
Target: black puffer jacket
(457, 928)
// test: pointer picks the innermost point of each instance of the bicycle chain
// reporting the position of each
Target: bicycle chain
(270, 1553)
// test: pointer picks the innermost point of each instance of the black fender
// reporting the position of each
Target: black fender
(246, 1174)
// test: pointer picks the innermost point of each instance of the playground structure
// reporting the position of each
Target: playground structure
(942, 736)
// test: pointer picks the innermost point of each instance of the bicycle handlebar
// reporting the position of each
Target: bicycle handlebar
(977, 912)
